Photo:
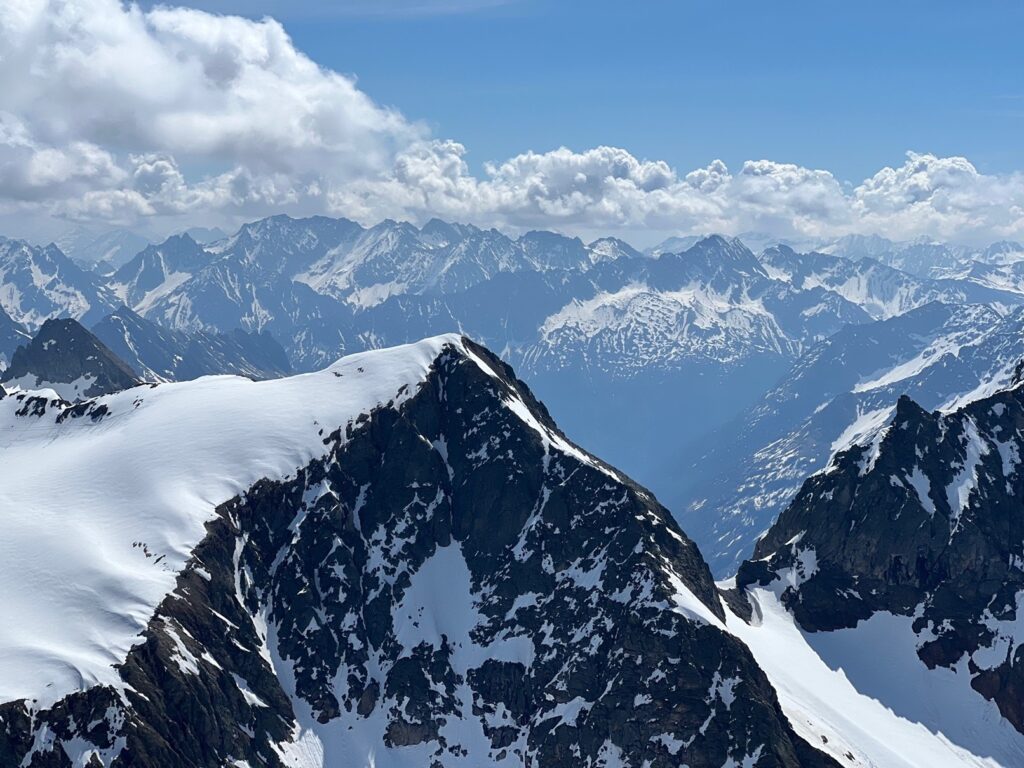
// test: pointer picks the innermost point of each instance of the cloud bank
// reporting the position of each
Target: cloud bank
(154, 118)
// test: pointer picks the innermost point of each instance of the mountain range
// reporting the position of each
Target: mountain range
(663, 362)
(841, 391)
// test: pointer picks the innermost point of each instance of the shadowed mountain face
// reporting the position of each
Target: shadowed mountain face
(159, 354)
(12, 336)
(65, 357)
(448, 582)
(838, 392)
(923, 522)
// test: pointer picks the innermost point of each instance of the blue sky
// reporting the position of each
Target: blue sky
(844, 86)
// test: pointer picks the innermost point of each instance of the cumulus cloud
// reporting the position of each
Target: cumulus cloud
(941, 196)
(156, 117)
(93, 90)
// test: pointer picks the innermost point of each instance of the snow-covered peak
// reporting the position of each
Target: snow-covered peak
(611, 249)
(881, 290)
(550, 250)
(714, 259)
(440, 233)
(102, 506)
(37, 283)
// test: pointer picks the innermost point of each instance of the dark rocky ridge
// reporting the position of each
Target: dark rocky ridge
(925, 522)
(12, 336)
(63, 352)
(560, 555)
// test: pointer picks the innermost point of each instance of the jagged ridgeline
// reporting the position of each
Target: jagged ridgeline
(397, 561)
(903, 561)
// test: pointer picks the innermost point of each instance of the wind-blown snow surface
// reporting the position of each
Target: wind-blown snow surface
(96, 524)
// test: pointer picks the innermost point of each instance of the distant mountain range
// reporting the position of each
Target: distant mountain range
(124, 350)
(653, 359)
(841, 391)
(160, 354)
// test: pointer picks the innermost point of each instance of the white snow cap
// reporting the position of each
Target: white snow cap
(97, 518)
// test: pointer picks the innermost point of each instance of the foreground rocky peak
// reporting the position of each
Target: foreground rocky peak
(921, 521)
(448, 582)
(67, 358)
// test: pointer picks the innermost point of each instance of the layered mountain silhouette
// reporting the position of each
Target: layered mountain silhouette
(160, 354)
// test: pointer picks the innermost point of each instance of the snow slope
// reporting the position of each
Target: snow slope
(863, 692)
(124, 499)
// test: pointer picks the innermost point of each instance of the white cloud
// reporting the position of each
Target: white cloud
(943, 197)
(102, 98)
(171, 115)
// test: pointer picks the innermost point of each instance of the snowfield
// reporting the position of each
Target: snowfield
(97, 518)
(863, 692)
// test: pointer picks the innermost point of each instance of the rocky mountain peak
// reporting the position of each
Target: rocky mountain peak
(67, 358)
(922, 521)
(550, 250)
(722, 265)
(446, 580)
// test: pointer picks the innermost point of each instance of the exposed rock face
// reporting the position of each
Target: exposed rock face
(938, 353)
(173, 260)
(65, 357)
(454, 584)
(924, 522)
(12, 336)
(161, 354)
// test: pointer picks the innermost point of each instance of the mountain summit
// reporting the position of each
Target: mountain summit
(65, 357)
(398, 561)
(904, 560)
